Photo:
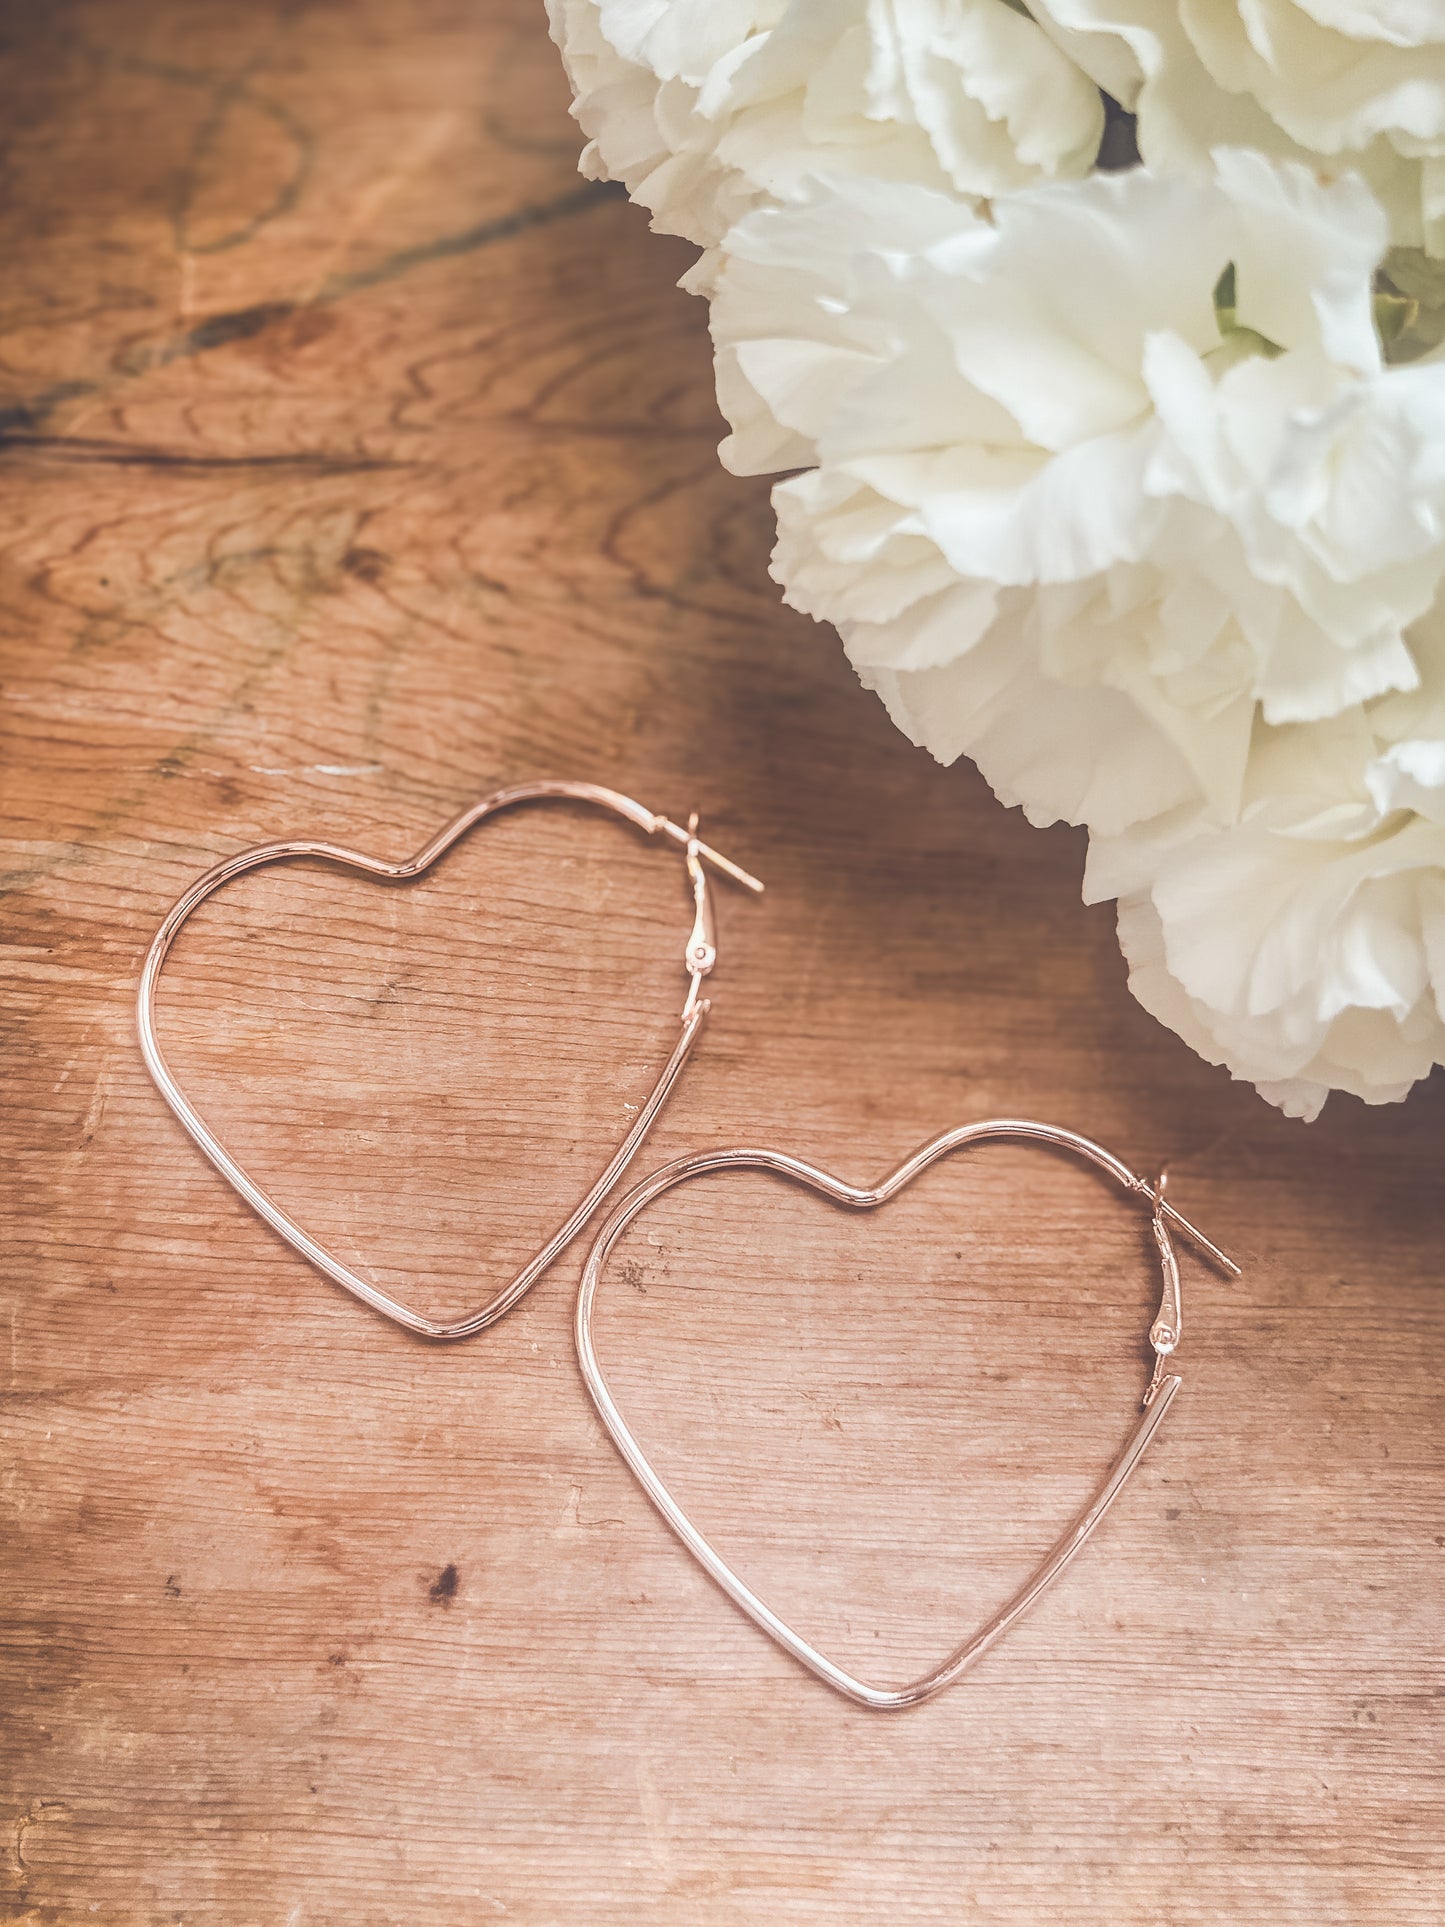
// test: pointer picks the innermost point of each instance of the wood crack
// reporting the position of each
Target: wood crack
(243, 324)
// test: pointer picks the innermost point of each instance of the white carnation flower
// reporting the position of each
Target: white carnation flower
(1084, 537)
(706, 108)
(1138, 552)
(1357, 84)
(1303, 946)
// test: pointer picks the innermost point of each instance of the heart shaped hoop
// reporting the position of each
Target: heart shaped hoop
(1164, 1335)
(699, 956)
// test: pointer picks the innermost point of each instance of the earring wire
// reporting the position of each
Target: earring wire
(699, 957)
(1163, 1336)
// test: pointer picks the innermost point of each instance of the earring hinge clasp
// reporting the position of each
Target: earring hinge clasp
(701, 952)
(1168, 1326)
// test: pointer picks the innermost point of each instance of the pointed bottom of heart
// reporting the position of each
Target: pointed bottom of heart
(894, 1698)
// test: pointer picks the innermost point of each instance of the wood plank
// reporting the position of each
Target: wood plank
(358, 459)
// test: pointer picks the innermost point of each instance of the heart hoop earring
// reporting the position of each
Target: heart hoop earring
(699, 956)
(1164, 1335)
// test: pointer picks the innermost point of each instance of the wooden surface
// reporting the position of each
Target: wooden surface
(358, 460)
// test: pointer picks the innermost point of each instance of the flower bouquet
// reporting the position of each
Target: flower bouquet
(1098, 344)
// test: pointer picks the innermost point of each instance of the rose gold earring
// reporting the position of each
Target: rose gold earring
(699, 956)
(1164, 1335)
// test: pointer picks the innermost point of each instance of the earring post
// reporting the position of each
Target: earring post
(1197, 1238)
(714, 857)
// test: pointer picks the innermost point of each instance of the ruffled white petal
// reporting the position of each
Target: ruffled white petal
(709, 108)
(1353, 85)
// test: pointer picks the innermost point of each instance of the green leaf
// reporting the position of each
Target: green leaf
(1239, 340)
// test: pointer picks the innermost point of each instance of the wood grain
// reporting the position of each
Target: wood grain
(359, 459)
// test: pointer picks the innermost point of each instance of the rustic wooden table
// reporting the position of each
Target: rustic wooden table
(357, 459)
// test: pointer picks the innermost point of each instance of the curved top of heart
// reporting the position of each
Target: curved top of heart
(699, 955)
(1164, 1335)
